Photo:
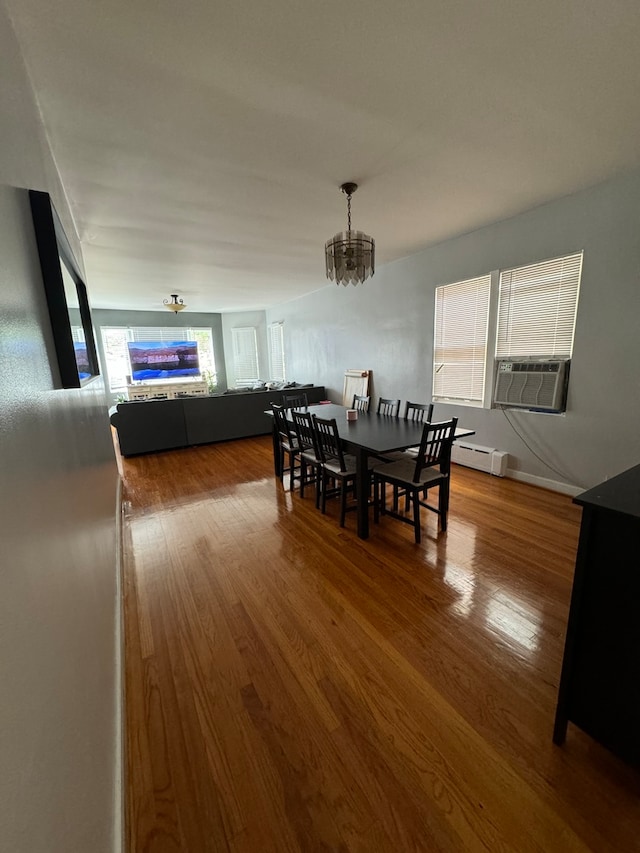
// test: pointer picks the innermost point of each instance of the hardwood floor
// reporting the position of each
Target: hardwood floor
(290, 687)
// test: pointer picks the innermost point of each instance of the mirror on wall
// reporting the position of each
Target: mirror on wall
(66, 295)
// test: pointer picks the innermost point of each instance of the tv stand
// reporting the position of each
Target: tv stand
(167, 390)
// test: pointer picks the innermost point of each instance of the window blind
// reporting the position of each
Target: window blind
(537, 308)
(276, 352)
(166, 335)
(245, 355)
(460, 339)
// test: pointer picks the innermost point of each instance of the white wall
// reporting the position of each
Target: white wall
(58, 731)
(386, 325)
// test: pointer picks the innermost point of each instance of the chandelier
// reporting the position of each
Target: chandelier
(350, 255)
(176, 304)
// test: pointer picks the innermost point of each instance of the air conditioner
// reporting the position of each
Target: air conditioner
(536, 384)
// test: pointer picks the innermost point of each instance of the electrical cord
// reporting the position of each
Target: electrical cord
(557, 471)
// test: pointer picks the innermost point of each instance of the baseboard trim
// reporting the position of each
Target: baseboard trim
(545, 483)
(119, 805)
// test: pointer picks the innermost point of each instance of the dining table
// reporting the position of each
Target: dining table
(370, 434)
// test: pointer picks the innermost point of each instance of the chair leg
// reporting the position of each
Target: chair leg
(303, 476)
(292, 462)
(416, 514)
(376, 499)
(323, 493)
(320, 488)
(383, 497)
(343, 501)
(443, 503)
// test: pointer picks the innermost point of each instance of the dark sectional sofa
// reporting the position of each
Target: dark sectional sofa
(146, 426)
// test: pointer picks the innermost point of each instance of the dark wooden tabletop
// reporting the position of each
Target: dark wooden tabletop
(375, 433)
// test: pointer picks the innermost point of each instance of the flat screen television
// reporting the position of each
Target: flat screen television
(163, 359)
(82, 360)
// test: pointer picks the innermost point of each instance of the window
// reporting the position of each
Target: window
(276, 352)
(527, 311)
(114, 342)
(537, 308)
(245, 355)
(460, 340)
(115, 339)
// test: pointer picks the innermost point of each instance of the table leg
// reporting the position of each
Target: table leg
(362, 492)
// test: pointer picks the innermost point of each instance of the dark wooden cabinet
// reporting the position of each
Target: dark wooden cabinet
(600, 680)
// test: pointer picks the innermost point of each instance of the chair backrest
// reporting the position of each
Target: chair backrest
(282, 424)
(361, 403)
(295, 401)
(419, 412)
(328, 441)
(435, 447)
(305, 431)
(388, 407)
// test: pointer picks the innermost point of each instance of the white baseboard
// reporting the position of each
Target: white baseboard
(119, 745)
(545, 483)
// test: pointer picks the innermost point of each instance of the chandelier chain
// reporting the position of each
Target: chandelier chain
(349, 212)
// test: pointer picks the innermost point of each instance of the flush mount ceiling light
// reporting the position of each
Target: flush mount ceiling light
(350, 255)
(175, 304)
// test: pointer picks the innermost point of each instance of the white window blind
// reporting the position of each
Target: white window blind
(116, 356)
(537, 308)
(460, 339)
(276, 352)
(245, 355)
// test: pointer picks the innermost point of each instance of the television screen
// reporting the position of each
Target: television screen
(82, 360)
(163, 360)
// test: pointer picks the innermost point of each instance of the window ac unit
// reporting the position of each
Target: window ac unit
(535, 384)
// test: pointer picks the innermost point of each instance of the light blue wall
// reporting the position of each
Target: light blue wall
(241, 319)
(386, 325)
(58, 590)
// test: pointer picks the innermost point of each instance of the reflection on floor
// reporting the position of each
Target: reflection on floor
(291, 687)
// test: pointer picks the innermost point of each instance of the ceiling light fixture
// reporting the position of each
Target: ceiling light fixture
(176, 304)
(350, 255)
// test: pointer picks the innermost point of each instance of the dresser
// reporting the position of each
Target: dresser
(600, 681)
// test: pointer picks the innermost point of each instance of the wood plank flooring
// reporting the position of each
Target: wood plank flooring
(290, 687)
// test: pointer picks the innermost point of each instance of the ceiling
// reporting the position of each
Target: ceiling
(202, 144)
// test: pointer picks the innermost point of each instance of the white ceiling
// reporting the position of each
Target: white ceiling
(202, 144)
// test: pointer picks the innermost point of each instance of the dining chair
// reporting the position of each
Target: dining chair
(336, 465)
(310, 461)
(419, 412)
(360, 403)
(295, 401)
(414, 477)
(288, 444)
(388, 407)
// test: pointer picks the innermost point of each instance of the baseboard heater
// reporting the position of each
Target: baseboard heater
(482, 458)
